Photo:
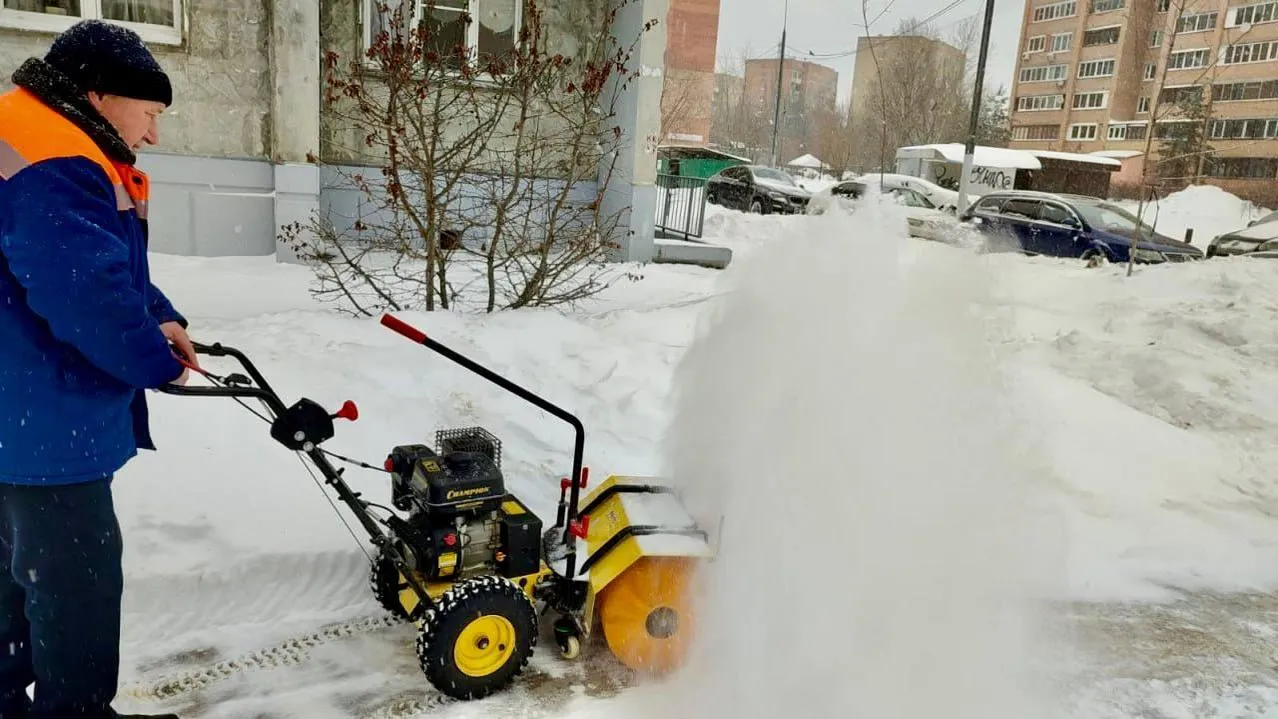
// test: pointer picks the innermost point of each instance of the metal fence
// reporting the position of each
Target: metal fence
(681, 206)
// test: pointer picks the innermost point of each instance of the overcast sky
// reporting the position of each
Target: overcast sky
(828, 27)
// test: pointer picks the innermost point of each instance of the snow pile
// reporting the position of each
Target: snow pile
(881, 555)
(1207, 209)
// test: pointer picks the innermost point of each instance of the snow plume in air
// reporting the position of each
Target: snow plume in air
(881, 551)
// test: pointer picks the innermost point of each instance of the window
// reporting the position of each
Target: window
(1102, 36)
(1136, 132)
(1037, 43)
(1107, 5)
(1043, 73)
(1062, 42)
(1197, 22)
(1095, 68)
(1253, 14)
(1055, 11)
(1032, 133)
(1117, 132)
(1156, 38)
(1243, 91)
(1083, 131)
(1142, 105)
(158, 21)
(493, 32)
(1173, 129)
(1038, 103)
(1057, 214)
(1241, 167)
(1247, 129)
(1173, 95)
(1151, 70)
(1164, 5)
(1188, 59)
(1090, 100)
(1249, 53)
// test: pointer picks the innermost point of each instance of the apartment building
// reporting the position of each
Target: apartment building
(1099, 75)
(808, 90)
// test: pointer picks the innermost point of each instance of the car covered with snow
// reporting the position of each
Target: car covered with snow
(1063, 225)
(1247, 240)
(942, 198)
(924, 220)
(757, 189)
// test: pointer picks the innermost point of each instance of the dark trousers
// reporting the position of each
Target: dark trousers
(61, 583)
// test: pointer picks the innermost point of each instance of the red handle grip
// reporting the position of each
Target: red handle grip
(404, 328)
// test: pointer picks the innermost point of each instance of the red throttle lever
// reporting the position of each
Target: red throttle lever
(348, 411)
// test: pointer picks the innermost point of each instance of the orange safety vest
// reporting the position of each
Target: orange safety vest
(34, 132)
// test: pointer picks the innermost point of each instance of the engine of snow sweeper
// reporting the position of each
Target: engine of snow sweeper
(468, 562)
(461, 521)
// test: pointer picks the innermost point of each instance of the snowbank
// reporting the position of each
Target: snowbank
(1207, 209)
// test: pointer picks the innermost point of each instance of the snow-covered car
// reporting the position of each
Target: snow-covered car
(924, 220)
(1267, 251)
(757, 189)
(1246, 240)
(942, 198)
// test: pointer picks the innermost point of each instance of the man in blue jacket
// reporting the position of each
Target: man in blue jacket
(83, 334)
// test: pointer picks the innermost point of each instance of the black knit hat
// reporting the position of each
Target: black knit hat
(102, 57)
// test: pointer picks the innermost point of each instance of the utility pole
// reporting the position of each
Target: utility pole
(776, 113)
(969, 156)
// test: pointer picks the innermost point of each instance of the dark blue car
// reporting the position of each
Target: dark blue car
(1061, 225)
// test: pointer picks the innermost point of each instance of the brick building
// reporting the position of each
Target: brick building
(809, 89)
(692, 46)
(1094, 75)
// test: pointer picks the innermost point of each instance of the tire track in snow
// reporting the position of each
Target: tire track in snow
(293, 651)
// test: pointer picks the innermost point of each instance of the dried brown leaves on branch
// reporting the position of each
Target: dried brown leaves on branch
(481, 171)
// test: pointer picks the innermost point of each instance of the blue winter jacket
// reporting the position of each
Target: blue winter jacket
(80, 337)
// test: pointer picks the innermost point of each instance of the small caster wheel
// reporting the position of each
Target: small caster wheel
(570, 648)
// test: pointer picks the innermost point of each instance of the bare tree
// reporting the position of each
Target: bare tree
(834, 139)
(1181, 117)
(475, 165)
(919, 94)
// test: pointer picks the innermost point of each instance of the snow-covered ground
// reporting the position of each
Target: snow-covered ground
(1058, 503)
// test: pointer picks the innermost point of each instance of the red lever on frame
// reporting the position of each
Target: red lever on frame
(348, 411)
(580, 527)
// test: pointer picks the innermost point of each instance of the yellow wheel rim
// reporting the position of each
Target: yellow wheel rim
(484, 645)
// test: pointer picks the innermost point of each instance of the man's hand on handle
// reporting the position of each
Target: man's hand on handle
(177, 336)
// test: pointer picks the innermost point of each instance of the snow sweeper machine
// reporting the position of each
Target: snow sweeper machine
(474, 568)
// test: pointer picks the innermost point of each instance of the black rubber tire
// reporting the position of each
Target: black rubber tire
(384, 580)
(464, 602)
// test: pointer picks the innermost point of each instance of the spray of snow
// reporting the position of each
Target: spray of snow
(847, 419)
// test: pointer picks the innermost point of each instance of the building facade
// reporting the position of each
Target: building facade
(1103, 75)
(808, 90)
(692, 48)
(237, 156)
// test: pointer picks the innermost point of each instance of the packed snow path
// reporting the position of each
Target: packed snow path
(247, 597)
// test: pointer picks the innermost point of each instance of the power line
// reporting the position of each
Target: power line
(849, 53)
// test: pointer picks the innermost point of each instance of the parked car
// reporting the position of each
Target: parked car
(923, 219)
(1246, 240)
(1061, 225)
(944, 199)
(1267, 251)
(757, 189)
